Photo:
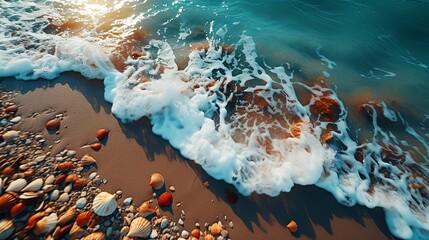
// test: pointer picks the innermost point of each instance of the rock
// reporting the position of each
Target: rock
(175, 229)
(180, 222)
(164, 223)
(172, 188)
(109, 231)
(125, 230)
(16, 119)
(92, 175)
(53, 124)
(64, 197)
(54, 195)
(68, 188)
(81, 203)
(231, 224)
(153, 234)
(185, 234)
(128, 201)
(71, 153)
(10, 135)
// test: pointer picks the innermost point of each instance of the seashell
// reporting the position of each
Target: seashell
(11, 109)
(17, 185)
(34, 186)
(81, 182)
(71, 178)
(76, 231)
(95, 146)
(140, 227)
(8, 170)
(215, 229)
(65, 166)
(102, 133)
(196, 233)
(67, 216)
(46, 224)
(31, 222)
(292, 226)
(50, 179)
(87, 160)
(29, 172)
(6, 229)
(53, 124)
(95, 236)
(60, 179)
(208, 237)
(165, 199)
(10, 135)
(84, 219)
(145, 209)
(24, 167)
(104, 204)
(156, 181)
(30, 195)
(17, 209)
(7, 201)
(48, 188)
(61, 231)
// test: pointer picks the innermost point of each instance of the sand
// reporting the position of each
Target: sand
(132, 152)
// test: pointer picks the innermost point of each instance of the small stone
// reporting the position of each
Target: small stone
(83, 194)
(206, 184)
(119, 193)
(153, 234)
(92, 175)
(231, 224)
(128, 201)
(185, 234)
(176, 229)
(81, 203)
(64, 197)
(154, 195)
(180, 222)
(10, 135)
(125, 230)
(164, 223)
(178, 204)
(71, 153)
(224, 233)
(16, 119)
(109, 231)
(68, 188)
(172, 188)
(54, 195)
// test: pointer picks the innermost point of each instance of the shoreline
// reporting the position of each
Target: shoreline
(133, 152)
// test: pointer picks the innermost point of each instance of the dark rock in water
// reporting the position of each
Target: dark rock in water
(231, 196)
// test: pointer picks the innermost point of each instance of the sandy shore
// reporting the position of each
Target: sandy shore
(132, 152)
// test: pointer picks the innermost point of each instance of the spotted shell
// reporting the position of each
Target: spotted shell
(7, 201)
(104, 204)
(6, 229)
(46, 224)
(17, 185)
(87, 160)
(292, 226)
(95, 236)
(102, 133)
(140, 227)
(156, 181)
(34, 186)
(165, 199)
(67, 216)
(215, 229)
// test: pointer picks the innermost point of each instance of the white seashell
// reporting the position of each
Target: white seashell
(46, 224)
(64, 197)
(49, 180)
(34, 186)
(140, 227)
(95, 236)
(30, 195)
(104, 204)
(48, 188)
(87, 160)
(67, 216)
(6, 229)
(17, 185)
(156, 181)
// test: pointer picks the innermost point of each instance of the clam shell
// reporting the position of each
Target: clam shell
(292, 226)
(140, 227)
(30, 195)
(165, 199)
(76, 231)
(67, 216)
(7, 201)
(34, 186)
(95, 236)
(17, 185)
(6, 229)
(46, 224)
(104, 204)
(102, 133)
(87, 160)
(156, 181)
(17, 209)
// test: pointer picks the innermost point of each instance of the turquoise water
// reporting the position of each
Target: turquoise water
(262, 94)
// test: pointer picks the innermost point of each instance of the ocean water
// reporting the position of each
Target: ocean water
(262, 94)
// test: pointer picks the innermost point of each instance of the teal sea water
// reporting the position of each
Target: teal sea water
(262, 94)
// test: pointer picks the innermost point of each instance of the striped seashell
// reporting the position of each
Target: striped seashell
(104, 204)
(6, 229)
(34, 186)
(76, 231)
(7, 201)
(140, 227)
(61, 231)
(46, 224)
(17, 185)
(95, 236)
(84, 219)
(156, 181)
(87, 160)
(31, 222)
(67, 216)
(30, 195)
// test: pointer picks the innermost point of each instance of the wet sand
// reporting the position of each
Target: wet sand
(132, 152)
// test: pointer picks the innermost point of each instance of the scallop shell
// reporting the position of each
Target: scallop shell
(95, 236)
(67, 216)
(17, 185)
(87, 160)
(215, 229)
(140, 227)
(30, 195)
(104, 204)
(102, 133)
(76, 231)
(6, 229)
(156, 181)
(34, 186)
(165, 199)
(292, 226)
(84, 219)
(7, 201)
(46, 224)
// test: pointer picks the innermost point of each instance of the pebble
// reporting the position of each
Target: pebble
(178, 204)
(109, 231)
(185, 234)
(224, 233)
(64, 197)
(153, 234)
(92, 175)
(128, 201)
(54, 195)
(176, 229)
(231, 224)
(125, 230)
(10, 135)
(83, 194)
(197, 225)
(71, 153)
(172, 188)
(81, 203)
(180, 222)
(68, 188)
(164, 223)
(16, 119)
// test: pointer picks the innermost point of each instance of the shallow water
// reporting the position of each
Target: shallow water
(261, 94)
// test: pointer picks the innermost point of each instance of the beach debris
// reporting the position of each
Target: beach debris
(135, 55)
(85, 219)
(102, 133)
(206, 184)
(104, 204)
(140, 227)
(11, 109)
(95, 236)
(231, 196)
(165, 199)
(95, 146)
(87, 160)
(53, 124)
(215, 229)
(10, 135)
(196, 233)
(46, 224)
(156, 181)
(6, 229)
(16, 185)
(292, 226)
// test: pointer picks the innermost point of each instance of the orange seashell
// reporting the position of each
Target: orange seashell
(102, 133)
(71, 178)
(165, 199)
(196, 233)
(53, 124)
(65, 166)
(292, 226)
(95, 146)
(60, 178)
(145, 209)
(81, 182)
(31, 222)
(85, 219)
(11, 109)
(156, 181)
(8, 170)
(7, 201)
(61, 231)
(29, 172)
(215, 229)
(17, 209)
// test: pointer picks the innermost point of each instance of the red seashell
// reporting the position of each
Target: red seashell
(81, 182)
(17, 209)
(231, 196)
(60, 178)
(84, 219)
(10, 109)
(65, 166)
(62, 231)
(102, 133)
(7, 201)
(165, 199)
(95, 146)
(71, 178)
(53, 124)
(8, 170)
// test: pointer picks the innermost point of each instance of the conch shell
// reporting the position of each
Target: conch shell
(104, 204)
(140, 227)
(46, 224)
(87, 160)
(156, 181)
